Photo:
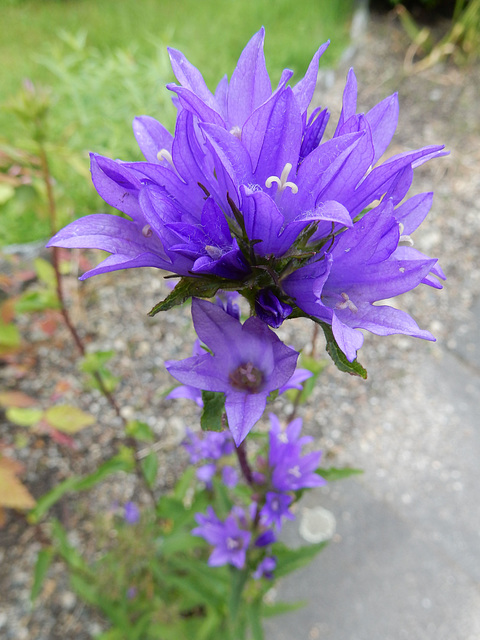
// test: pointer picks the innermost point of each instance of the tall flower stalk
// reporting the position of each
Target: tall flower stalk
(250, 196)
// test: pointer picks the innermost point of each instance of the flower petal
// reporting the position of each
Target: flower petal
(151, 137)
(304, 89)
(250, 83)
(244, 410)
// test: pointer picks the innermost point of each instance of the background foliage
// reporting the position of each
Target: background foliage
(107, 62)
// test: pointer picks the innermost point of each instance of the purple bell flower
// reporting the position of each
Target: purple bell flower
(229, 540)
(131, 513)
(291, 470)
(276, 508)
(265, 568)
(270, 309)
(248, 362)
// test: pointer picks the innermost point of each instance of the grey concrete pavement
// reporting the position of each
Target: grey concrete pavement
(405, 560)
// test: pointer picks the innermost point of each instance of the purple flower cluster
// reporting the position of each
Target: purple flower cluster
(244, 536)
(248, 193)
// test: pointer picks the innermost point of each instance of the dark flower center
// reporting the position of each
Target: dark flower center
(246, 377)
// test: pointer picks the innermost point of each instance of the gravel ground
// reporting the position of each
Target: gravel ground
(350, 418)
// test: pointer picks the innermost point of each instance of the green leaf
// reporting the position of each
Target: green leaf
(69, 554)
(85, 589)
(210, 627)
(333, 473)
(222, 501)
(94, 361)
(9, 336)
(6, 192)
(272, 396)
(45, 273)
(94, 364)
(49, 499)
(277, 608)
(237, 583)
(185, 289)
(123, 461)
(44, 560)
(289, 560)
(68, 419)
(24, 417)
(196, 580)
(139, 430)
(120, 462)
(254, 614)
(339, 358)
(213, 410)
(39, 300)
(149, 468)
(184, 483)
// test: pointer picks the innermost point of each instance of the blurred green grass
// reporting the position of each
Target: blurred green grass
(106, 62)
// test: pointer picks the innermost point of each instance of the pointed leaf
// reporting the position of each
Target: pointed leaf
(339, 358)
(278, 608)
(123, 461)
(185, 289)
(149, 468)
(16, 399)
(68, 419)
(45, 272)
(139, 430)
(254, 614)
(14, 494)
(9, 337)
(49, 499)
(44, 560)
(289, 560)
(333, 473)
(24, 417)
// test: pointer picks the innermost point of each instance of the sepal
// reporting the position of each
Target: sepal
(192, 287)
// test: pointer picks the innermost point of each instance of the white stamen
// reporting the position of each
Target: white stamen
(402, 269)
(404, 240)
(163, 154)
(295, 471)
(282, 181)
(147, 231)
(346, 304)
(283, 437)
(213, 252)
(236, 131)
(232, 543)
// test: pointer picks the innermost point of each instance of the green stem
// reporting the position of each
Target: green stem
(239, 579)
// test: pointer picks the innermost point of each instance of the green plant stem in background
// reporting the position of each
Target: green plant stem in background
(461, 42)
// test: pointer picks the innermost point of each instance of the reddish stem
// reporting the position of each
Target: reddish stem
(241, 452)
